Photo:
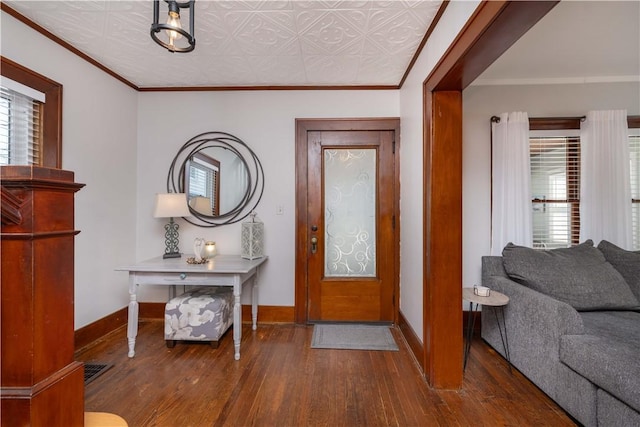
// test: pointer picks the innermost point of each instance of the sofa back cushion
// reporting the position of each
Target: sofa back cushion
(579, 276)
(626, 262)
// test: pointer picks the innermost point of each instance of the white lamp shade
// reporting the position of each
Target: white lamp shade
(171, 205)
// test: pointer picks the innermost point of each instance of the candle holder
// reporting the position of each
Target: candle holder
(210, 250)
(252, 238)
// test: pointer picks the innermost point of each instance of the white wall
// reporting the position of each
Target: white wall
(120, 143)
(99, 145)
(411, 160)
(482, 102)
(265, 120)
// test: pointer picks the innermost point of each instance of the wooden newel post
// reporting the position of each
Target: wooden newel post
(42, 385)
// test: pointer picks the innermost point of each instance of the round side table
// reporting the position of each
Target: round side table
(496, 301)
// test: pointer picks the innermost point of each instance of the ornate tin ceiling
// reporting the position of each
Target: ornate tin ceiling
(247, 43)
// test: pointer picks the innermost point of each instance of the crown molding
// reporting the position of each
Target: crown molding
(434, 23)
(63, 43)
(257, 88)
(556, 81)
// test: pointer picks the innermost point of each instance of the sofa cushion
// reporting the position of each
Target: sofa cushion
(626, 262)
(607, 355)
(614, 412)
(579, 276)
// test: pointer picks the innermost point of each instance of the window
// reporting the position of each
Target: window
(555, 181)
(203, 186)
(20, 130)
(49, 114)
(555, 184)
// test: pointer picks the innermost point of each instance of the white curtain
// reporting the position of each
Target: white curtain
(511, 182)
(605, 188)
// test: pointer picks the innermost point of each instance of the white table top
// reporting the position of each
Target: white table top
(232, 264)
(495, 298)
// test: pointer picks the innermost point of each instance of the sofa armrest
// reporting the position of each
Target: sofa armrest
(534, 322)
(534, 312)
(530, 309)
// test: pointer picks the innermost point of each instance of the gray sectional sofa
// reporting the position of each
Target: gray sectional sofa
(573, 325)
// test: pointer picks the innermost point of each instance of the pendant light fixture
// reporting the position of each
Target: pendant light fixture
(171, 35)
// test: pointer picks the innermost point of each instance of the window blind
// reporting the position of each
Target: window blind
(202, 182)
(199, 181)
(20, 128)
(555, 185)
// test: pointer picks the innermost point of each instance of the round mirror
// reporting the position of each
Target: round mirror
(222, 177)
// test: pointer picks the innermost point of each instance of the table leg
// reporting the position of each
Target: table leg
(237, 317)
(504, 339)
(132, 322)
(254, 302)
(471, 322)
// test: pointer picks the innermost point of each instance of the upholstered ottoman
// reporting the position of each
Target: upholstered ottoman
(201, 314)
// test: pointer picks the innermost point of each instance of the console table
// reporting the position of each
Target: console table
(223, 270)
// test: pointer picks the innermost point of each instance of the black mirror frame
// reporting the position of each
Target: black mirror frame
(255, 179)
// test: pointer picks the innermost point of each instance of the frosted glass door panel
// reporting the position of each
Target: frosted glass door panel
(350, 212)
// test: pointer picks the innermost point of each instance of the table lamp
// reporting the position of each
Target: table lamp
(171, 205)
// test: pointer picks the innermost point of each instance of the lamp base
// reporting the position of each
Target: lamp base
(171, 240)
(172, 255)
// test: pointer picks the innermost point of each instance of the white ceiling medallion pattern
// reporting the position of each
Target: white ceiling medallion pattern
(247, 43)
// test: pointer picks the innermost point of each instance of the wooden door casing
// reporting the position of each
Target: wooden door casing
(306, 201)
(361, 299)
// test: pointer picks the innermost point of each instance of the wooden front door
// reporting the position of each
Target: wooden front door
(348, 226)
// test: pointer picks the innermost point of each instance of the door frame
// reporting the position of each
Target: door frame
(488, 33)
(302, 227)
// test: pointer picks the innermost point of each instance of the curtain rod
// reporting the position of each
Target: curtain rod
(496, 119)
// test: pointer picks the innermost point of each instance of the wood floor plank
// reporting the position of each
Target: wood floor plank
(281, 381)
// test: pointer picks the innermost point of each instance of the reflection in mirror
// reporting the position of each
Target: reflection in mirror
(216, 181)
(203, 184)
(222, 177)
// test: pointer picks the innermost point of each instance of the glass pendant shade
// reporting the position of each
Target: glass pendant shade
(166, 34)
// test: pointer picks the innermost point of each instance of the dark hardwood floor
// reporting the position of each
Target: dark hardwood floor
(281, 381)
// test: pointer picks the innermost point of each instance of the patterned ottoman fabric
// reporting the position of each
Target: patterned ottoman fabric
(201, 314)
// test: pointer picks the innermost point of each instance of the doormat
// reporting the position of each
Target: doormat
(353, 337)
(94, 370)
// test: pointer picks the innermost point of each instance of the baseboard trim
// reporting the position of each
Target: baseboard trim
(410, 336)
(266, 313)
(101, 327)
(151, 310)
(270, 314)
(155, 310)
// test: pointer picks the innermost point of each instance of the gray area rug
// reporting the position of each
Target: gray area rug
(353, 337)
